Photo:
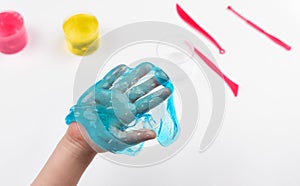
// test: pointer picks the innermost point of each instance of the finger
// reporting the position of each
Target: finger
(147, 103)
(144, 88)
(132, 77)
(137, 136)
(161, 76)
(112, 76)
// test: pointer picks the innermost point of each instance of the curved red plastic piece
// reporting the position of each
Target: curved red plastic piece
(273, 38)
(186, 18)
(233, 86)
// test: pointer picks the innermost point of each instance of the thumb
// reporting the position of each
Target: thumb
(134, 137)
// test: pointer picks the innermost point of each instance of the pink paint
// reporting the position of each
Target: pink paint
(274, 39)
(13, 36)
(233, 86)
(185, 17)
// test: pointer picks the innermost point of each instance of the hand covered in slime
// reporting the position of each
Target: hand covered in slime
(115, 112)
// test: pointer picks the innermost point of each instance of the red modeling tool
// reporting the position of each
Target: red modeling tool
(274, 39)
(233, 86)
(193, 24)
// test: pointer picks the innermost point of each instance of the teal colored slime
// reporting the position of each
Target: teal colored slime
(116, 111)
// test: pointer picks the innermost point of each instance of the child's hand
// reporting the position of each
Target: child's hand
(73, 154)
(107, 108)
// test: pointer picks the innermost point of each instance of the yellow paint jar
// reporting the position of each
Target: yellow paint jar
(82, 34)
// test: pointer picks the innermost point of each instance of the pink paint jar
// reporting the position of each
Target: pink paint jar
(13, 36)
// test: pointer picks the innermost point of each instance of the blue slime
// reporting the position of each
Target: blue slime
(119, 109)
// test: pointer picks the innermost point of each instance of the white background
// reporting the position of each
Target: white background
(259, 142)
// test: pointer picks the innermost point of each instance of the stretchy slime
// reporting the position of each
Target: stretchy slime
(118, 111)
(81, 33)
(13, 36)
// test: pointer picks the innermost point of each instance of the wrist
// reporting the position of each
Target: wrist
(74, 142)
(68, 161)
